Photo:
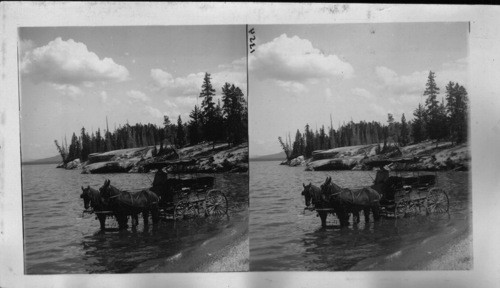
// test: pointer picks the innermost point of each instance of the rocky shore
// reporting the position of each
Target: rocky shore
(425, 156)
(208, 158)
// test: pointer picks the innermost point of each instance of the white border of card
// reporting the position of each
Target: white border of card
(484, 45)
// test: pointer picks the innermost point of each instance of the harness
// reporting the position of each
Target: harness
(132, 199)
(342, 190)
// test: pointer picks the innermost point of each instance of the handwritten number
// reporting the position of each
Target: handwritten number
(252, 39)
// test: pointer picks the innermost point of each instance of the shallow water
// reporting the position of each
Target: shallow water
(284, 237)
(59, 239)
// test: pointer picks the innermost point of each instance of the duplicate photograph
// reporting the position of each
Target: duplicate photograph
(359, 147)
(134, 146)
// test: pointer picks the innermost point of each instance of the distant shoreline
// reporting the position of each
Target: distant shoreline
(39, 163)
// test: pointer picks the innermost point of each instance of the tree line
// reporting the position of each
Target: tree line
(436, 120)
(226, 122)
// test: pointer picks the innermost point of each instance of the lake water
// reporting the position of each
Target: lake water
(59, 239)
(284, 237)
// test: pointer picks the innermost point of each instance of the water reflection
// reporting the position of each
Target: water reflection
(121, 251)
(285, 237)
(59, 239)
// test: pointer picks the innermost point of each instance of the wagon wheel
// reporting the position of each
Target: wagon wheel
(437, 203)
(185, 210)
(401, 208)
(406, 208)
(215, 203)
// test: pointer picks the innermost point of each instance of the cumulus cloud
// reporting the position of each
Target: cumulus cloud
(25, 45)
(176, 86)
(69, 62)
(403, 92)
(170, 104)
(295, 59)
(154, 112)
(138, 96)
(68, 90)
(414, 82)
(292, 87)
(190, 85)
(362, 93)
(104, 96)
(186, 101)
(378, 110)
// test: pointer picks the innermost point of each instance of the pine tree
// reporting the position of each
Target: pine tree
(181, 135)
(234, 111)
(167, 126)
(309, 135)
(62, 152)
(390, 128)
(433, 111)
(418, 125)
(286, 149)
(404, 139)
(194, 126)
(208, 109)
(85, 145)
(218, 124)
(456, 108)
(322, 138)
(74, 148)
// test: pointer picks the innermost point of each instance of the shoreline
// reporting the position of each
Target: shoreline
(227, 251)
(455, 256)
(451, 250)
(234, 259)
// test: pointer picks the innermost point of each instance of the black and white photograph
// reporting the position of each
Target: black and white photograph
(221, 144)
(134, 149)
(367, 164)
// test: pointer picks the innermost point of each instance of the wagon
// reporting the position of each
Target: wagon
(406, 194)
(185, 195)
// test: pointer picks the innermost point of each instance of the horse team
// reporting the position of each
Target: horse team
(121, 204)
(328, 198)
(331, 198)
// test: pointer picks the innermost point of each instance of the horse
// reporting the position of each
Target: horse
(124, 203)
(312, 195)
(92, 198)
(351, 200)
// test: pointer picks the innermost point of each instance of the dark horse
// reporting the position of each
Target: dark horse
(347, 201)
(124, 203)
(312, 195)
(92, 198)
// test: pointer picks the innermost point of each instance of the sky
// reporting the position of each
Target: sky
(74, 77)
(302, 74)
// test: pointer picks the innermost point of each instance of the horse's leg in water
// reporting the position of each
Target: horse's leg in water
(122, 221)
(145, 216)
(343, 216)
(155, 214)
(135, 219)
(102, 221)
(355, 215)
(376, 213)
(322, 216)
(366, 211)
